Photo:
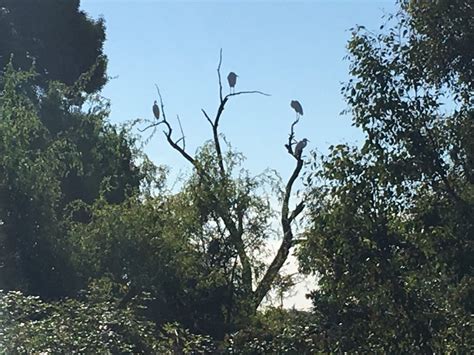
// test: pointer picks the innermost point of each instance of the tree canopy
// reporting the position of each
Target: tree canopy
(99, 255)
(59, 38)
(392, 224)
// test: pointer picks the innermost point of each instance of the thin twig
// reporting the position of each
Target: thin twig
(182, 133)
(170, 132)
(291, 137)
(207, 117)
(161, 103)
(215, 124)
(248, 92)
(148, 127)
(219, 74)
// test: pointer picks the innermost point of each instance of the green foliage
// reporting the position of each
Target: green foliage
(137, 243)
(105, 151)
(392, 222)
(233, 195)
(443, 37)
(174, 247)
(51, 153)
(277, 331)
(62, 41)
(31, 167)
(93, 325)
(388, 231)
(70, 326)
(175, 340)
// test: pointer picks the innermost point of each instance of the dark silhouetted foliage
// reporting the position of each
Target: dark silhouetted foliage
(62, 40)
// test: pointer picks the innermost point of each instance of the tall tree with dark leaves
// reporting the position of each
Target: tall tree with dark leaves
(62, 41)
(392, 224)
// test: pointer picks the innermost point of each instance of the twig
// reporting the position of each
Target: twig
(248, 92)
(207, 117)
(170, 131)
(182, 133)
(161, 103)
(148, 127)
(291, 137)
(219, 74)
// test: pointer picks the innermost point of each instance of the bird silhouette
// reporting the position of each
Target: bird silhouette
(297, 107)
(232, 79)
(156, 110)
(299, 147)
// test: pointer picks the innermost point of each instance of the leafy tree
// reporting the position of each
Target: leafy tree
(235, 212)
(277, 331)
(30, 171)
(445, 40)
(92, 325)
(146, 246)
(165, 246)
(389, 225)
(42, 170)
(392, 222)
(62, 41)
(105, 151)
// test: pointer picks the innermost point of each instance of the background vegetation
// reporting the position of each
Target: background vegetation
(97, 255)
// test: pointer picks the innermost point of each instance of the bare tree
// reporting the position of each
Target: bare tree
(233, 222)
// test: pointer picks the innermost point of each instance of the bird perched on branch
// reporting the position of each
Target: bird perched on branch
(156, 110)
(297, 107)
(232, 79)
(300, 146)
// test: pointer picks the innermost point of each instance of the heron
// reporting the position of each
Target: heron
(297, 107)
(232, 79)
(299, 147)
(156, 110)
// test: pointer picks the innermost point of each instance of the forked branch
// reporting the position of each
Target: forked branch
(291, 137)
(234, 225)
(286, 220)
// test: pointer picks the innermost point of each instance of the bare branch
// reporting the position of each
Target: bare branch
(298, 209)
(182, 133)
(234, 227)
(179, 149)
(169, 133)
(248, 92)
(287, 242)
(215, 124)
(207, 117)
(219, 113)
(161, 103)
(220, 160)
(148, 127)
(219, 74)
(230, 224)
(291, 137)
(227, 97)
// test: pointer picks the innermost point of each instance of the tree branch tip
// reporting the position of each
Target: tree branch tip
(246, 92)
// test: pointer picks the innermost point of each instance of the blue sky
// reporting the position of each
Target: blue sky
(292, 50)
